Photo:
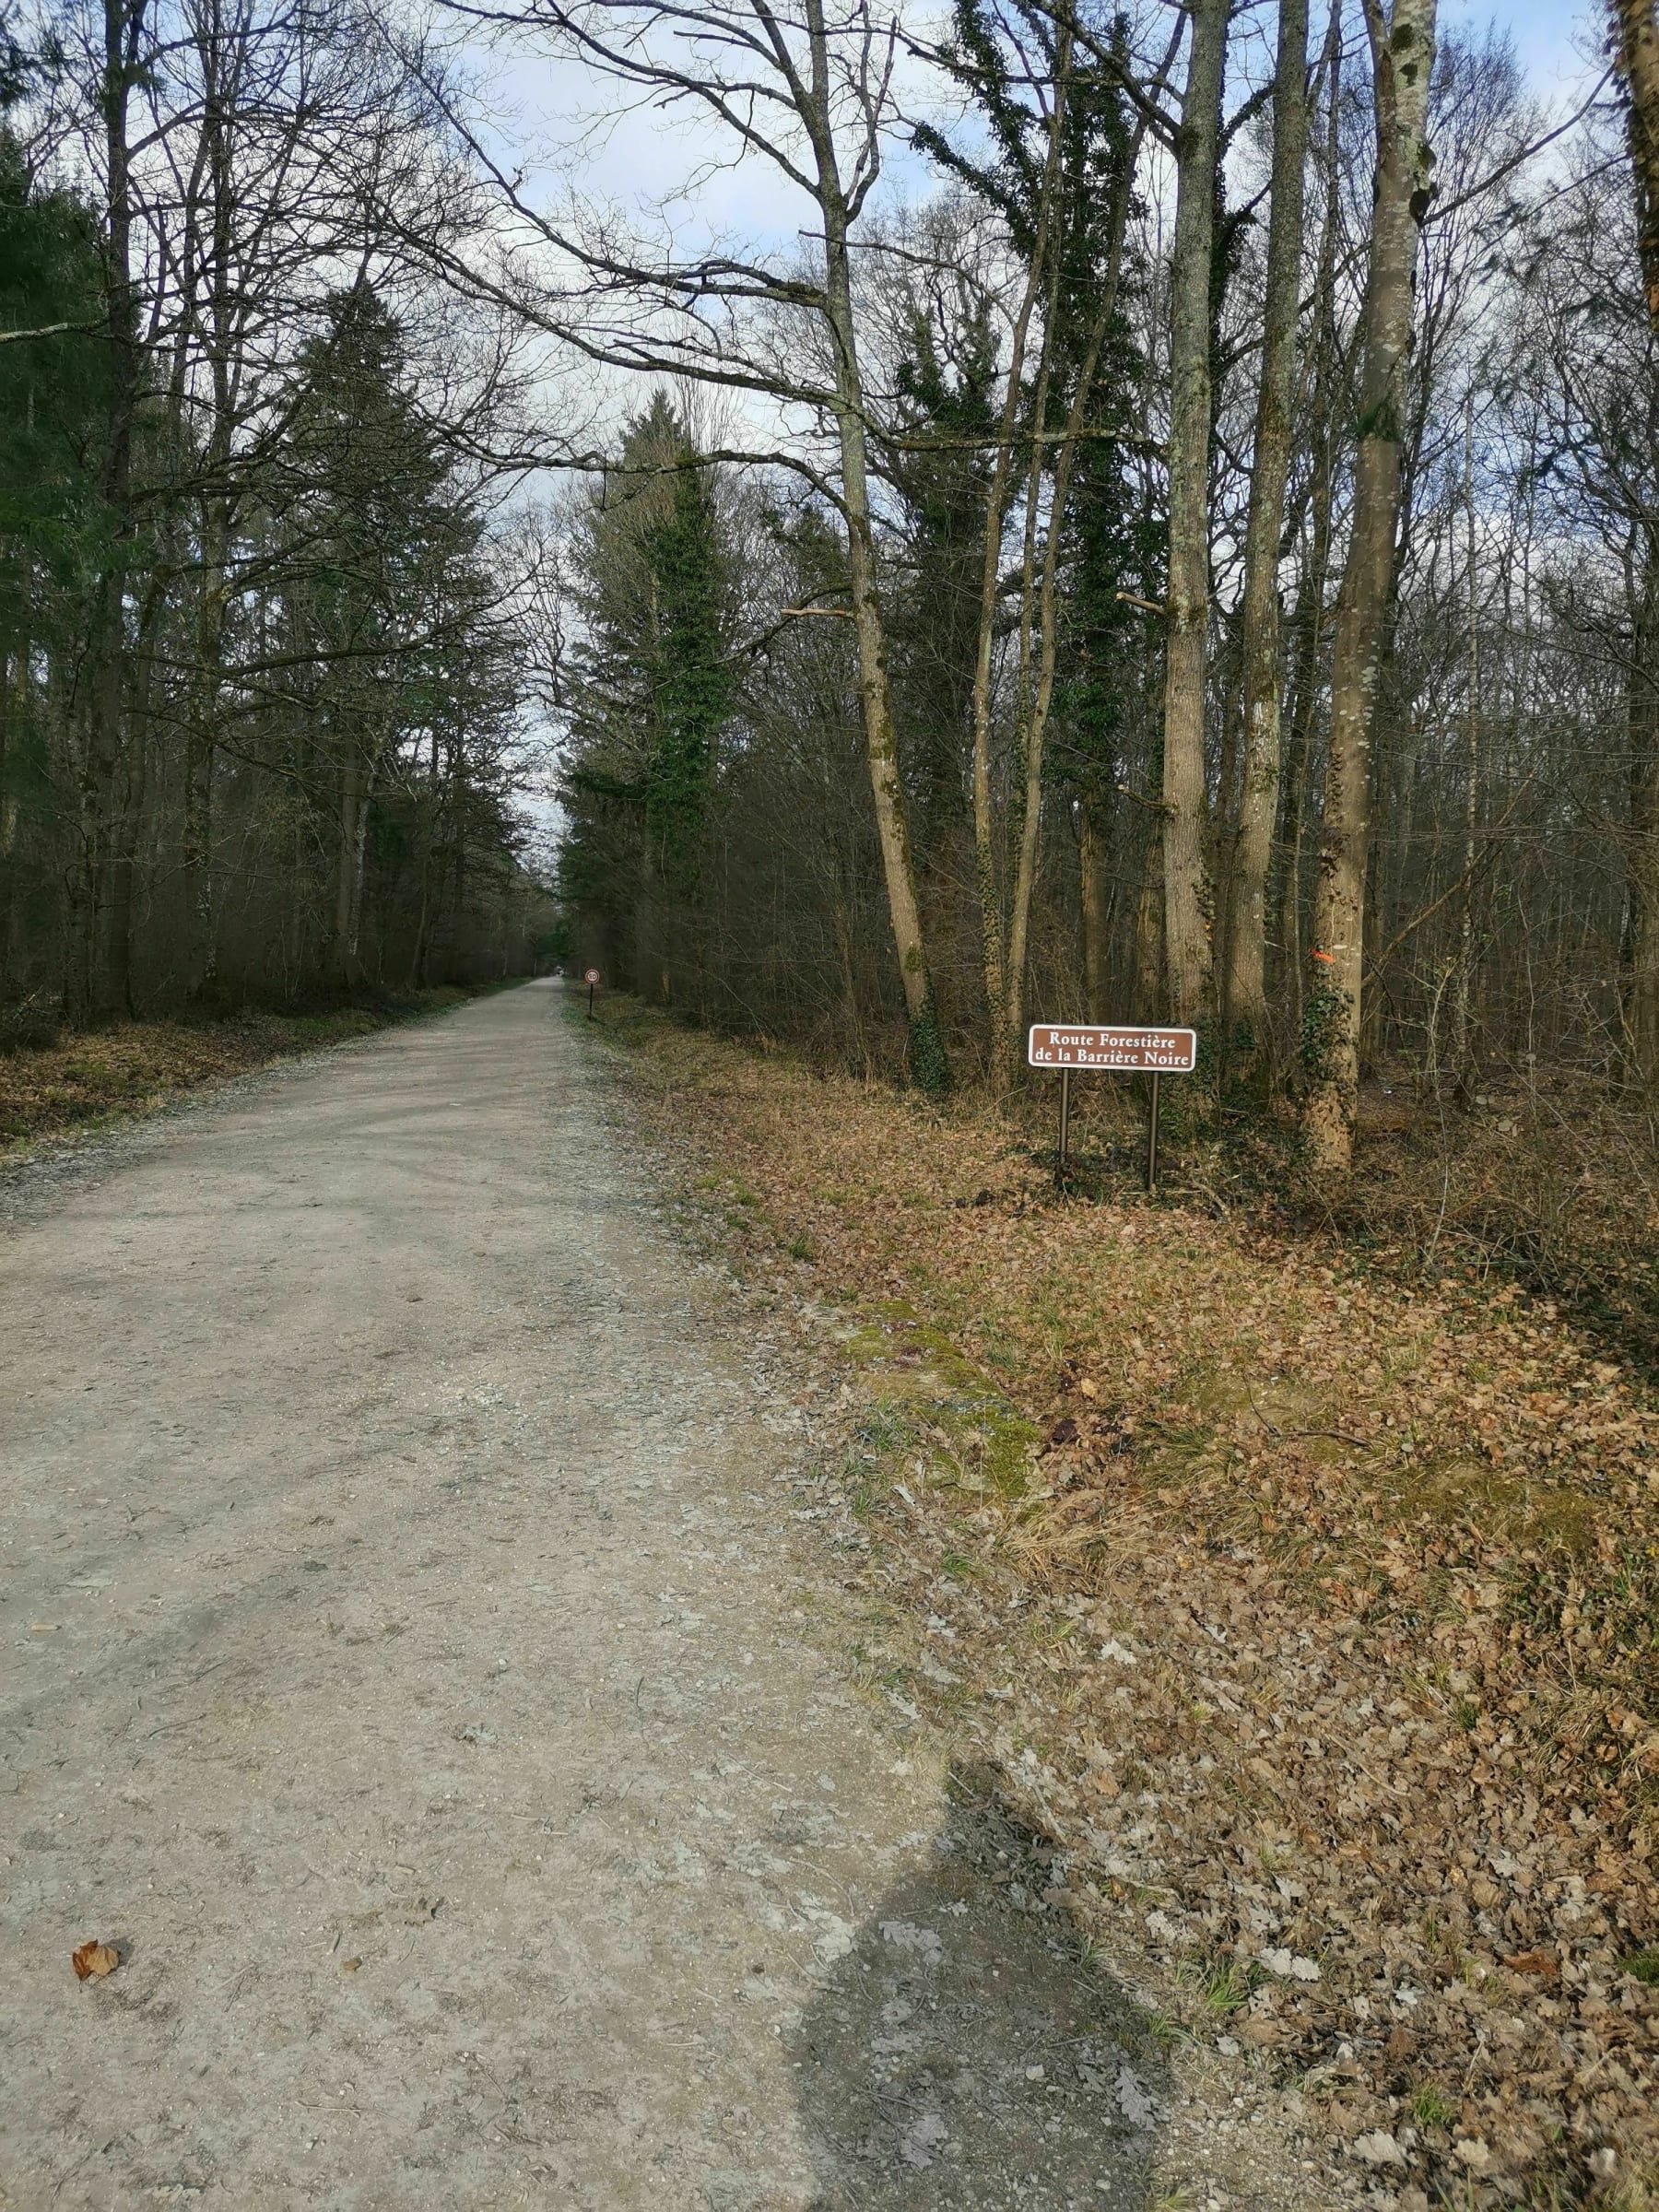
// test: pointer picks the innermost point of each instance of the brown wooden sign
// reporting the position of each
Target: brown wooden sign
(1061, 1045)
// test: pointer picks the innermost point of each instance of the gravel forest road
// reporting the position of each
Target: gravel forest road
(406, 1668)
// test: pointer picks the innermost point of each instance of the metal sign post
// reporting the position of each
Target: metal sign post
(1154, 1053)
(591, 980)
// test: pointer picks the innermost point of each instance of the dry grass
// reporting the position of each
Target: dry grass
(1382, 1549)
(132, 1067)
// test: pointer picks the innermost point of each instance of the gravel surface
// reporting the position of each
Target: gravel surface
(410, 1670)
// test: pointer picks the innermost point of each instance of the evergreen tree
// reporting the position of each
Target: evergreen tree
(53, 532)
(946, 391)
(649, 692)
(689, 681)
(377, 573)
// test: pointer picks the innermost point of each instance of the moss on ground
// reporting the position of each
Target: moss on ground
(965, 1429)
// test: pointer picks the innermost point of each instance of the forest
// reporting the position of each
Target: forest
(262, 647)
(1030, 513)
(872, 525)
(1206, 572)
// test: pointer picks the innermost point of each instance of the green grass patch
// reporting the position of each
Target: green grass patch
(1431, 2108)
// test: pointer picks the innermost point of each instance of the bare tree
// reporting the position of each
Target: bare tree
(1245, 983)
(807, 95)
(1636, 51)
(1402, 45)
(1185, 809)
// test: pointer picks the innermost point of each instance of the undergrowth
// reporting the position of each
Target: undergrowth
(79, 1079)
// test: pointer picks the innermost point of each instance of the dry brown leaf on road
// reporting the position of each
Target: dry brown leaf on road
(93, 1960)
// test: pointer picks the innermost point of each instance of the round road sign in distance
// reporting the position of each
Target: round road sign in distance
(591, 976)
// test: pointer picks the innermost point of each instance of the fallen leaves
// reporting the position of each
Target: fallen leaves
(1289, 1967)
(1378, 2148)
(131, 1066)
(1543, 1964)
(93, 1960)
(1384, 1559)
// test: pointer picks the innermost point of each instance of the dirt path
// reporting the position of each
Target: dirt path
(406, 1665)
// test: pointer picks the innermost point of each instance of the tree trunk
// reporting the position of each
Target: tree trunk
(225, 338)
(1403, 56)
(930, 1069)
(1293, 779)
(1244, 982)
(1636, 55)
(348, 867)
(1094, 849)
(1462, 1074)
(1186, 928)
(13, 704)
(1640, 992)
(127, 841)
(997, 508)
(103, 708)
(197, 852)
(202, 737)
(1149, 987)
(1310, 589)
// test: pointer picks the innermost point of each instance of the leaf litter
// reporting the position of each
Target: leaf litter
(1319, 1633)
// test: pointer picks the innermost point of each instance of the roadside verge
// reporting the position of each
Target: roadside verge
(83, 1082)
(1308, 1612)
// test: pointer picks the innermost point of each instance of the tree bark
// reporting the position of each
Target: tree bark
(1244, 982)
(1636, 56)
(128, 850)
(103, 708)
(1095, 899)
(1462, 1074)
(1638, 993)
(1311, 588)
(1149, 992)
(348, 860)
(929, 1067)
(997, 509)
(1186, 926)
(1402, 57)
(9, 809)
(217, 504)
